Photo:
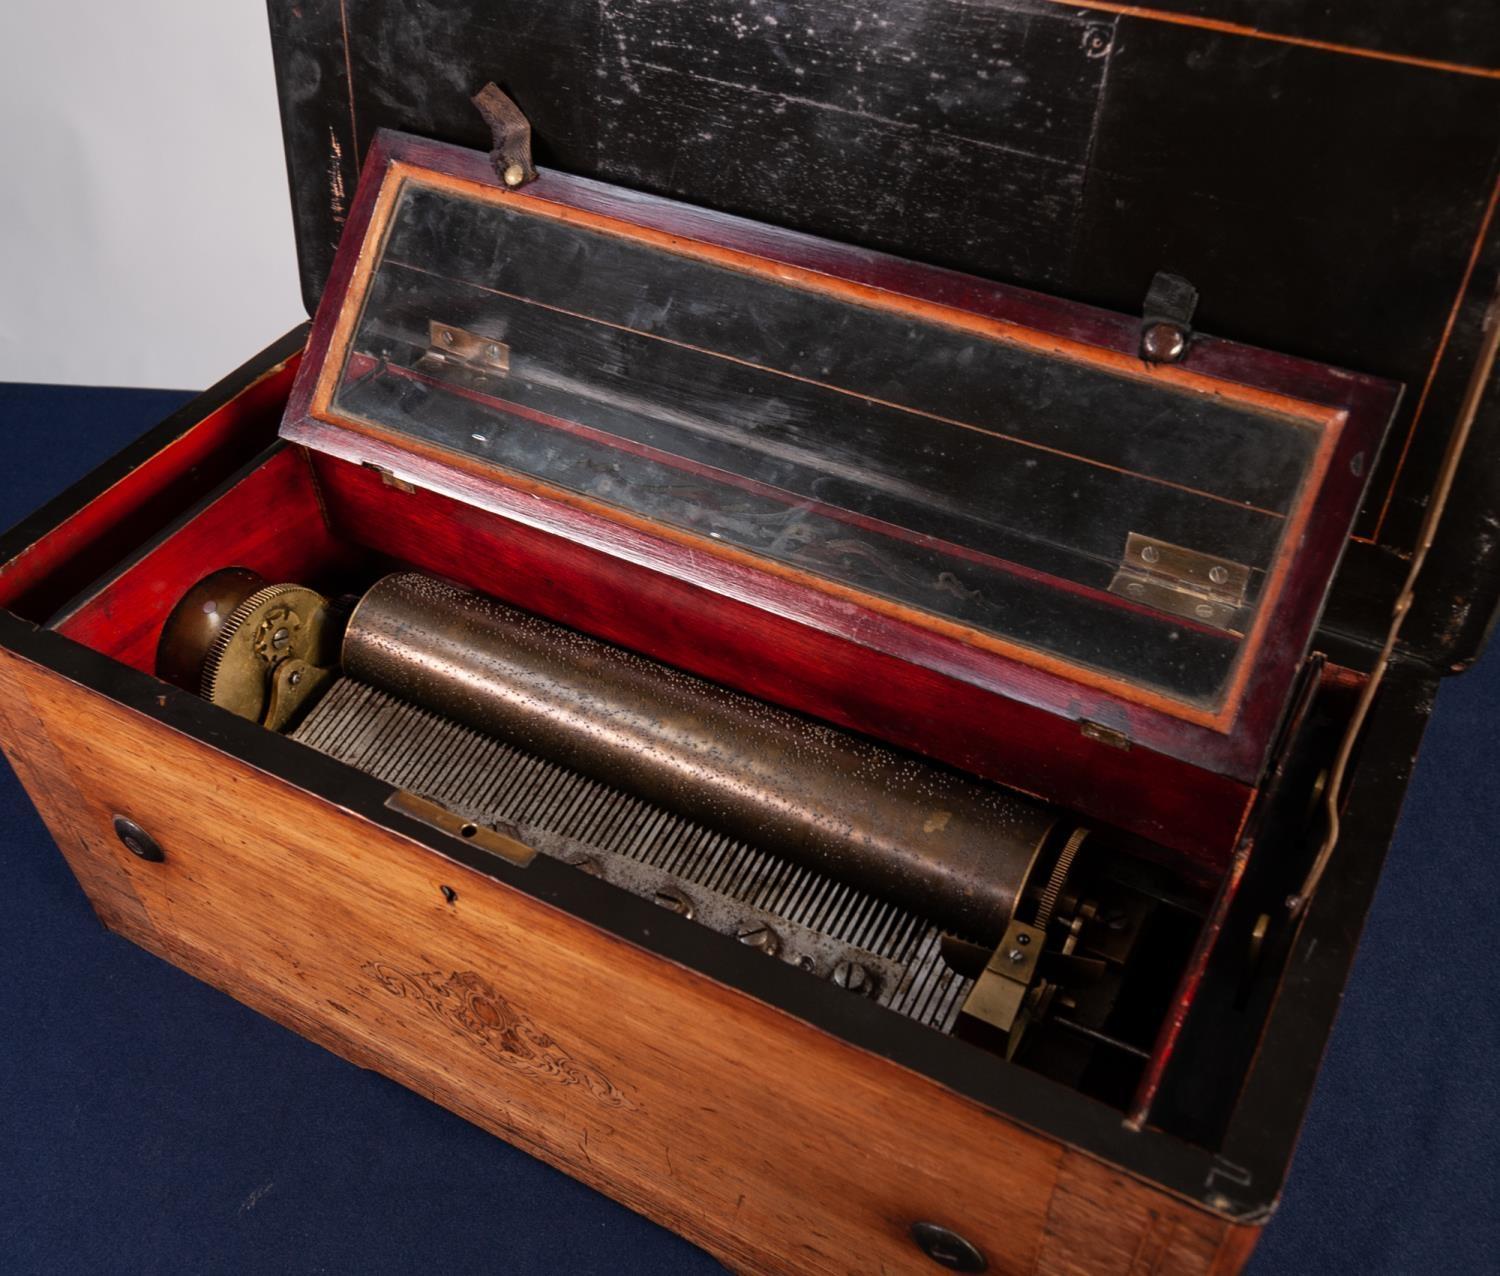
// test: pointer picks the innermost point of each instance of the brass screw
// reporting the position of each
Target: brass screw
(674, 901)
(855, 978)
(761, 938)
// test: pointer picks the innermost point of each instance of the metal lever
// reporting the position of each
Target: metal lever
(511, 131)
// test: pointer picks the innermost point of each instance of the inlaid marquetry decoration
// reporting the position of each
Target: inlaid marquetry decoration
(470, 1006)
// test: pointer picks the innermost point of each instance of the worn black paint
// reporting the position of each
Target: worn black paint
(1325, 203)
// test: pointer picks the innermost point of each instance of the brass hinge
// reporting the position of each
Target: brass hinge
(451, 349)
(388, 478)
(1182, 581)
(1101, 734)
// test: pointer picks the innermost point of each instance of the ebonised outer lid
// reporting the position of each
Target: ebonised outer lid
(1328, 182)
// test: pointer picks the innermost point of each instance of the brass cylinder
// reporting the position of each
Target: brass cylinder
(951, 848)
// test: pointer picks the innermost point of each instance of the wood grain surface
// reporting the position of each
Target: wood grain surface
(770, 1143)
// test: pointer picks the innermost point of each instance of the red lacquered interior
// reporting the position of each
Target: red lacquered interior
(146, 498)
(270, 521)
(317, 520)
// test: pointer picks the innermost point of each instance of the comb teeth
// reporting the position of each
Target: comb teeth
(564, 813)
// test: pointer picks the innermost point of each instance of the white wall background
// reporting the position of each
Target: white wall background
(145, 229)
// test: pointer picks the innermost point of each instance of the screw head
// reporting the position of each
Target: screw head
(136, 840)
(1218, 574)
(761, 938)
(674, 901)
(1164, 342)
(1150, 554)
(853, 976)
(1016, 956)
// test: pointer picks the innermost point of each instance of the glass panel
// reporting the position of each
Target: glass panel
(960, 475)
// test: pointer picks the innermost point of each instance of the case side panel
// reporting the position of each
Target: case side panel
(44, 772)
(628, 1072)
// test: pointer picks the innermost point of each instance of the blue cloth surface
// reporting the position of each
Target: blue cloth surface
(150, 1124)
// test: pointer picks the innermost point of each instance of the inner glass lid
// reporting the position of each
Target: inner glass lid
(1085, 513)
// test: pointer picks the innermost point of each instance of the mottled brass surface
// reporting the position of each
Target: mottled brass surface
(956, 850)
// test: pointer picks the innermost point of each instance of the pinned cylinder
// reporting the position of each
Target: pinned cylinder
(954, 849)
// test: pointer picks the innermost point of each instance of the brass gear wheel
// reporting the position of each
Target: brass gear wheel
(273, 625)
(1058, 879)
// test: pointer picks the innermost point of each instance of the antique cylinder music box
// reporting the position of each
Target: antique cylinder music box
(675, 598)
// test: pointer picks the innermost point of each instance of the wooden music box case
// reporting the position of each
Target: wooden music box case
(683, 668)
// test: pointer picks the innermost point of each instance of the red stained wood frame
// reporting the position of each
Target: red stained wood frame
(1352, 411)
